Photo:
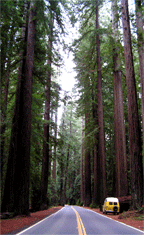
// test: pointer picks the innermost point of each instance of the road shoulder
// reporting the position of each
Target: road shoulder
(139, 224)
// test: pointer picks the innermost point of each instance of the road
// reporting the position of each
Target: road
(80, 221)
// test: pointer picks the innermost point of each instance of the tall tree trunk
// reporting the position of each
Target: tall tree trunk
(95, 143)
(55, 131)
(53, 199)
(3, 127)
(16, 193)
(8, 198)
(54, 161)
(54, 167)
(140, 34)
(46, 150)
(119, 128)
(101, 145)
(62, 163)
(4, 109)
(81, 167)
(134, 127)
(67, 160)
(6, 51)
(46, 133)
(23, 162)
(87, 196)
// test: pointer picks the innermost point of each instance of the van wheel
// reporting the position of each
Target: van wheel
(115, 209)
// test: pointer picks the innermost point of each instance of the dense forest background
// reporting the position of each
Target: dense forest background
(97, 149)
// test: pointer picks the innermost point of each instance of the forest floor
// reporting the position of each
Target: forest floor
(16, 224)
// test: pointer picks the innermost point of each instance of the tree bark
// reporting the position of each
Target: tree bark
(8, 198)
(8, 41)
(81, 166)
(54, 161)
(119, 128)
(16, 193)
(95, 143)
(46, 149)
(87, 196)
(101, 145)
(5, 100)
(57, 88)
(23, 162)
(140, 34)
(46, 133)
(67, 160)
(134, 127)
(62, 164)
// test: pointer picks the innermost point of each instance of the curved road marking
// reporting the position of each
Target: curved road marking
(81, 228)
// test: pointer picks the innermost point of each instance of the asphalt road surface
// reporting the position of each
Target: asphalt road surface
(80, 221)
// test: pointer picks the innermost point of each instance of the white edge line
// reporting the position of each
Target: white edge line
(39, 222)
(115, 220)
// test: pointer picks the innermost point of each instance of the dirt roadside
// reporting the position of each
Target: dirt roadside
(18, 223)
(12, 226)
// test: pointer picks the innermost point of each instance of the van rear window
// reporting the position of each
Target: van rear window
(113, 203)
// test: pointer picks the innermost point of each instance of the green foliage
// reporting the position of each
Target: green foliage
(73, 177)
(84, 49)
(93, 205)
(85, 59)
(79, 203)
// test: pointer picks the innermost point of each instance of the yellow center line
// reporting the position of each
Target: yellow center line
(81, 228)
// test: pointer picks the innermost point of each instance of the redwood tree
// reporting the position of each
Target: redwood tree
(140, 34)
(87, 179)
(61, 163)
(54, 14)
(46, 133)
(119, 128)
(67, 158)
(95, 152)
(55, 131)
(9, 29)
(101, 138)
(16, 193)
(81, 166)
(133, 119)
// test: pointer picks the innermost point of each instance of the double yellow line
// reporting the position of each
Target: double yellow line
(81, 228)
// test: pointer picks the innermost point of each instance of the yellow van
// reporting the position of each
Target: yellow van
(111, 205)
